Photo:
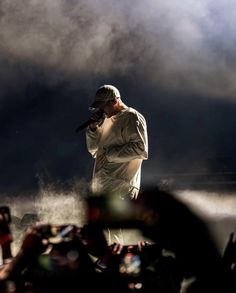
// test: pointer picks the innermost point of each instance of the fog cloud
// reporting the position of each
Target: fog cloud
(179, 45)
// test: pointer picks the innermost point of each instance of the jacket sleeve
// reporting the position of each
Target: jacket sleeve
(92, 141)
(135, 141)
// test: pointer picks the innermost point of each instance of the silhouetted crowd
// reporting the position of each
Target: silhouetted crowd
(180, 257)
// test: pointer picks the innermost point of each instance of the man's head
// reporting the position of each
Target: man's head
(104, 94)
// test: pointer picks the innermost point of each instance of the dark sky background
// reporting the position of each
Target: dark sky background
(174, 61)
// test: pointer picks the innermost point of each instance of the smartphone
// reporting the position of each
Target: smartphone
(5, 213)
(61, 233)
(130, 263)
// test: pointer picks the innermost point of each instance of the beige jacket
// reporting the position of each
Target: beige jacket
(123, 139)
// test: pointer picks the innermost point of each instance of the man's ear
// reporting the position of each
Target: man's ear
(114, 101)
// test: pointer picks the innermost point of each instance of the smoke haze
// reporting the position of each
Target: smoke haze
(178, 57)
(181, 46)
(54, 206)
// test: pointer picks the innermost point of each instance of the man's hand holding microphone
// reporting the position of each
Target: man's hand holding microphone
(96, 119)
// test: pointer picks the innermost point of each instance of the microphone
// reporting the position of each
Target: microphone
(84, 125)
(98, 114)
